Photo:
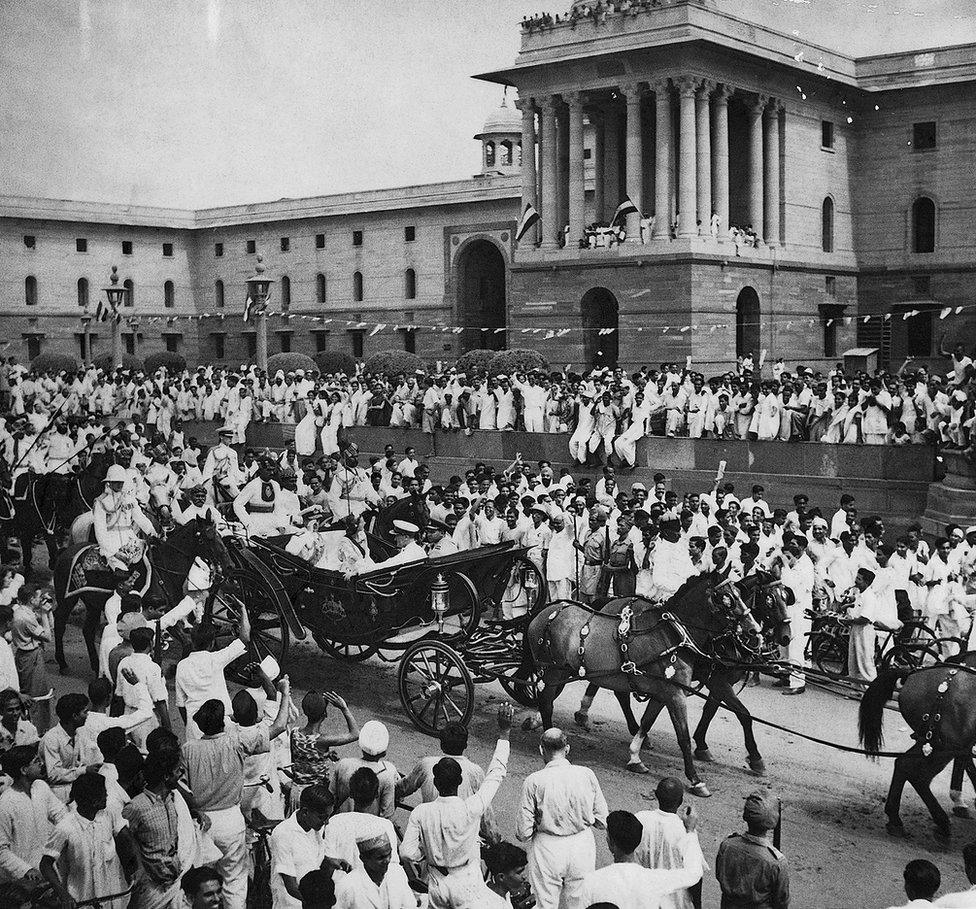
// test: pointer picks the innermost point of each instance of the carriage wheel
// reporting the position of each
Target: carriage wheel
(349, 653)
(829, 655)
(240, 588)
(435, 686)
(522, 685)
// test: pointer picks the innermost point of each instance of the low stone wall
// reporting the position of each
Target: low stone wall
(888, 481)
(953, 501)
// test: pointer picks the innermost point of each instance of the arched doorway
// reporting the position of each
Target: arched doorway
(747, 323)
(599, 312)
(481, 295)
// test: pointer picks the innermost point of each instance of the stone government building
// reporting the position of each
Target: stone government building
(855, 173)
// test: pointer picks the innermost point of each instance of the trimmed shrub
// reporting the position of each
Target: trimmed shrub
(54, 363)
(517, 360)
(476, 360)
(332, 361)
(289, 362)
(174, 363)
(392, 362)
(129, 362)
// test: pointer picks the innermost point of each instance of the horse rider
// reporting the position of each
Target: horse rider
(222, 466)
(350, 486)
(162, 484)
(117, 520)
(257, 505)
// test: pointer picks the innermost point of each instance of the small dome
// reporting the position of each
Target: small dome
(504, 119)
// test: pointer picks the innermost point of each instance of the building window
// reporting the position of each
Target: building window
(829, 324)
(357, 287)
(320, 289)
(922, 285)
(830, 286)
(923, 225)
(285, 292)
(409, 233)
(489, 154)
(126, 247)
(30, 290)
(130, 292)
(129, 342)
(219, 294)
(321, 340)
(357, 238)
(357, 343)
(284, 339)
(827, 225)
(172, 343)
(587, 154)
(410, 284)
(410, 340)
(81, 245)
(218, 250)
(923, 136)
(320, 241)
(168, 250)
(827, 135)
(83, 291)
(918, 334)
(251, 342)
(218, 346)
(169, 298)
(250, 246)
(33, 346)
(285, 244)
(30, 241)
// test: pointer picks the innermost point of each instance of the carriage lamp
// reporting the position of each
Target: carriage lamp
(440, 598)
(530, 580)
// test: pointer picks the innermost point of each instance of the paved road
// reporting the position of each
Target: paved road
(833, 829)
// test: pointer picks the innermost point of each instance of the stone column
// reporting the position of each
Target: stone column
(756, 196)
(703, 152)
(662, 160)
(687, 163)
(549, 212)
(771, 197)
(562, 166)
(577, 186)
(529, 191)
(599, 158)
(635, 158)
(720, 158)
(772, 174)
(611, 161)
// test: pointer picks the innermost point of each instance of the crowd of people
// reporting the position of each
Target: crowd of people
(112, 799)
(597, 12)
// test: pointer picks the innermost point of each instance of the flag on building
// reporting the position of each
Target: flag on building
(247, 309)
(530, 217)
(623, 209)
(101, 312)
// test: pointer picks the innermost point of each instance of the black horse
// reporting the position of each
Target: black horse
(718, 667)
(81, 574)
(46, 505)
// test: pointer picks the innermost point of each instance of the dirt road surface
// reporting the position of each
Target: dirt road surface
(833, 823)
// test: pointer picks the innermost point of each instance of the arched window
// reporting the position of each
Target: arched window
(410, 284)
(505, 154)
(285, 292)
(320, 288)
(219, 294)
(489, 154)
(923, 225)
(130, 292)
(169, 299)
(357, 287)
(30, 291)
(827, 225)
(83, 292)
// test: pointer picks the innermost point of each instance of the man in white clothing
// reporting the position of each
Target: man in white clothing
(626, 884)
(444, 833)
(560, 806)
(377, 882)
(797, 574)
(662, 840)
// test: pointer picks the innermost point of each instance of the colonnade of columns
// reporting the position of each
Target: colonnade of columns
(690, 169)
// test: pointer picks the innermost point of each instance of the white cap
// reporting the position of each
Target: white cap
(374, 738)
(406, 527)
(116, 474)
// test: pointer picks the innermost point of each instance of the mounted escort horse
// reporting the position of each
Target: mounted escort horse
(46, 505)
(722, 666)
(82, 574)
(633, 646)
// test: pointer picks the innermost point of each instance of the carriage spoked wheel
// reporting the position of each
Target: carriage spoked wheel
(241, 589)
(522, 685)
(349, 653)
(435, 686)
